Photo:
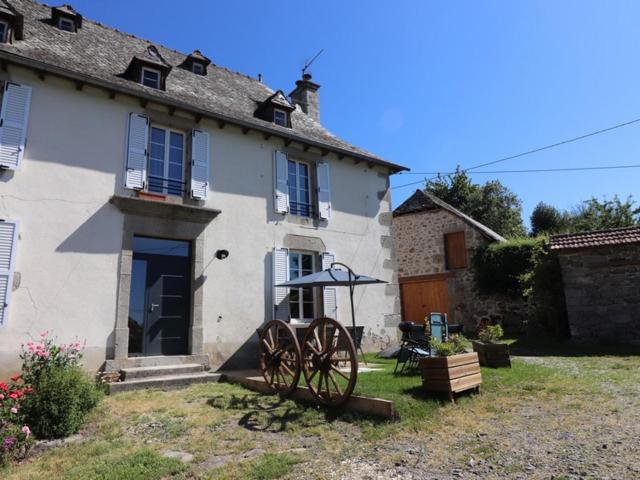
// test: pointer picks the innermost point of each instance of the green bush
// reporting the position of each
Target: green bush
(63, 395)
(499, 267)
(452, 346)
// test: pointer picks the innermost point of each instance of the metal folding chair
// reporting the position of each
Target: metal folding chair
(414, 346)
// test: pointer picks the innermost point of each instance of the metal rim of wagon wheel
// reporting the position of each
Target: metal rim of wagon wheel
(329, 361)
(280, 357)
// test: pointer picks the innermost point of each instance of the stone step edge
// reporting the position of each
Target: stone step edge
(131, 373)
(165, 381)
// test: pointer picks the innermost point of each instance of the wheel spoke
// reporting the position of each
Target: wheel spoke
(320, 346)
(273, 342)
(269, 347)
(335, 383)
(312, 348)
(284, 366)
(339, 372)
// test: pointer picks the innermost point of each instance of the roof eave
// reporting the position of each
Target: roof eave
(63, 72)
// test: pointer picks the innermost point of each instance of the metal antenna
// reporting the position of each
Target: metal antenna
(308, 64)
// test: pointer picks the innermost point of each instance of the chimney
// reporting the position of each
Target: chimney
(306, 95)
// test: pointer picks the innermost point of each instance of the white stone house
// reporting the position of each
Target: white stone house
(151, 199)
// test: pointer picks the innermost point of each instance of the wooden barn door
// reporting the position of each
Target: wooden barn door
(422, 296)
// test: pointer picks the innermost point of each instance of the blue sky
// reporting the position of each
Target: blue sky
(434, 84)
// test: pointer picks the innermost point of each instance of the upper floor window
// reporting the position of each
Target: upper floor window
(302, 302)
(150, 77)
(456, 250)
(66, 24)
(280, 117)
(197, 68)
(166, 161)
(4, 30)
(299, 184)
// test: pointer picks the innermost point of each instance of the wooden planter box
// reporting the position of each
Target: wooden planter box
(451, 374)
(492, 354)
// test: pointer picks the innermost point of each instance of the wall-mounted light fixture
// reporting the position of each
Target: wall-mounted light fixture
(222, 254)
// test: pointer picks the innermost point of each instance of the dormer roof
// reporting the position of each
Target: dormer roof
(66, 11)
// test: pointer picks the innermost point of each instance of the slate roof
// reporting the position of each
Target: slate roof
(422, 201)
(595, 238)
(99, 55)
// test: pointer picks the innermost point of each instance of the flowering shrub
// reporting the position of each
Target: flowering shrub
(39, 356)
(15, 437)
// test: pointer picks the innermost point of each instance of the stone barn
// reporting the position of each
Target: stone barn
(434, 244)
(601, 275)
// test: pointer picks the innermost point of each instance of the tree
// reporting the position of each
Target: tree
(547, 219)
(594, 214)
(491, 204)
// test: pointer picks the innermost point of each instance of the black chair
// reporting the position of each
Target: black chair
(414, 345)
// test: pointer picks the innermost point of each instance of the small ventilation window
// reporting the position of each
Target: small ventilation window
(197, 68)
(66, 24)
(4, 29)
(280, 117)
(150, 77)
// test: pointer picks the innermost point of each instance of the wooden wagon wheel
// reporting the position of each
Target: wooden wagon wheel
(280, 357)
(329, 361)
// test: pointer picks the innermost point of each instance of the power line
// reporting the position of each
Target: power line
(538, 170)
(567, 169)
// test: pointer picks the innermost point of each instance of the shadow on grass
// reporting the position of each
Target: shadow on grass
(275, 414)
(543, 347)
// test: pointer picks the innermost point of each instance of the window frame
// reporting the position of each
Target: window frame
(68, 21)
(199, 65)
(309, 207)
(167, 153)
(285, 117)
(151, 70)
(5, 37)
(314, 294)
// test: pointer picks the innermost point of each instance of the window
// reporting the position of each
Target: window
(66, 24)
(4, 30)
(302, 303)
(166, 161)
(455, 250)
(280, 117)
(150, 78)
(197, 68)
(299, 189)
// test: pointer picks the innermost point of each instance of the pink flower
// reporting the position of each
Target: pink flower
(1, 396)
(14, 410)
(44, 334)
(26, 431)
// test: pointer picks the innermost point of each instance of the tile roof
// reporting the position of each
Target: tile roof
(99, 55)
(422, 201)
(596, 238)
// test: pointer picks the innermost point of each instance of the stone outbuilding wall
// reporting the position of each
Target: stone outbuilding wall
(602, 290)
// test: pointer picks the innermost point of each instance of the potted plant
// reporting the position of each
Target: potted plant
(450, 369)
(491, 351)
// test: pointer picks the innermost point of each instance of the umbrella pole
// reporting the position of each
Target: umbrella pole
(353, 315)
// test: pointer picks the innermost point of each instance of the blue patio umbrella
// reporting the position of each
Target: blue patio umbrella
(334, 277)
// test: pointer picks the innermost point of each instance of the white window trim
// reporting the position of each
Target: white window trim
(197, 66)
(300, 303)
(296, 203)
(5, 39)
(152, 70)
(69, 22)
(284, 114)
(167, 148)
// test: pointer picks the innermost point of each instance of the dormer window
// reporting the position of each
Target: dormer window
(280, 117)
(150, 77)
(66, 24)
(4, 30)
(197, 68)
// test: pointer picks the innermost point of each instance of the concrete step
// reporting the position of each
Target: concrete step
(160, 371)
(164, 382)
(156, 361)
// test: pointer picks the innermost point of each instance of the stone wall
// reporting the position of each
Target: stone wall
(420, 250)
(602, 289)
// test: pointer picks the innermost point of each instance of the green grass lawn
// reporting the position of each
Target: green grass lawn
(234, 433)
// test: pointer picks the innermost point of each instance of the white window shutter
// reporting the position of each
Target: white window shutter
(324, 190)
(199, 164)
(329, 294)
(280, 275)
(13, 124)
(135, 173)
(281, 189)
(8, 241)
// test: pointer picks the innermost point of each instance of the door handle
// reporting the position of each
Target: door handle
(153, 306)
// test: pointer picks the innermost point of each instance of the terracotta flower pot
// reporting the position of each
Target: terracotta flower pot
(492, 354)
(450, 375)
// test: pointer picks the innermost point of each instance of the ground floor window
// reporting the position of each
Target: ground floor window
(302, 302)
